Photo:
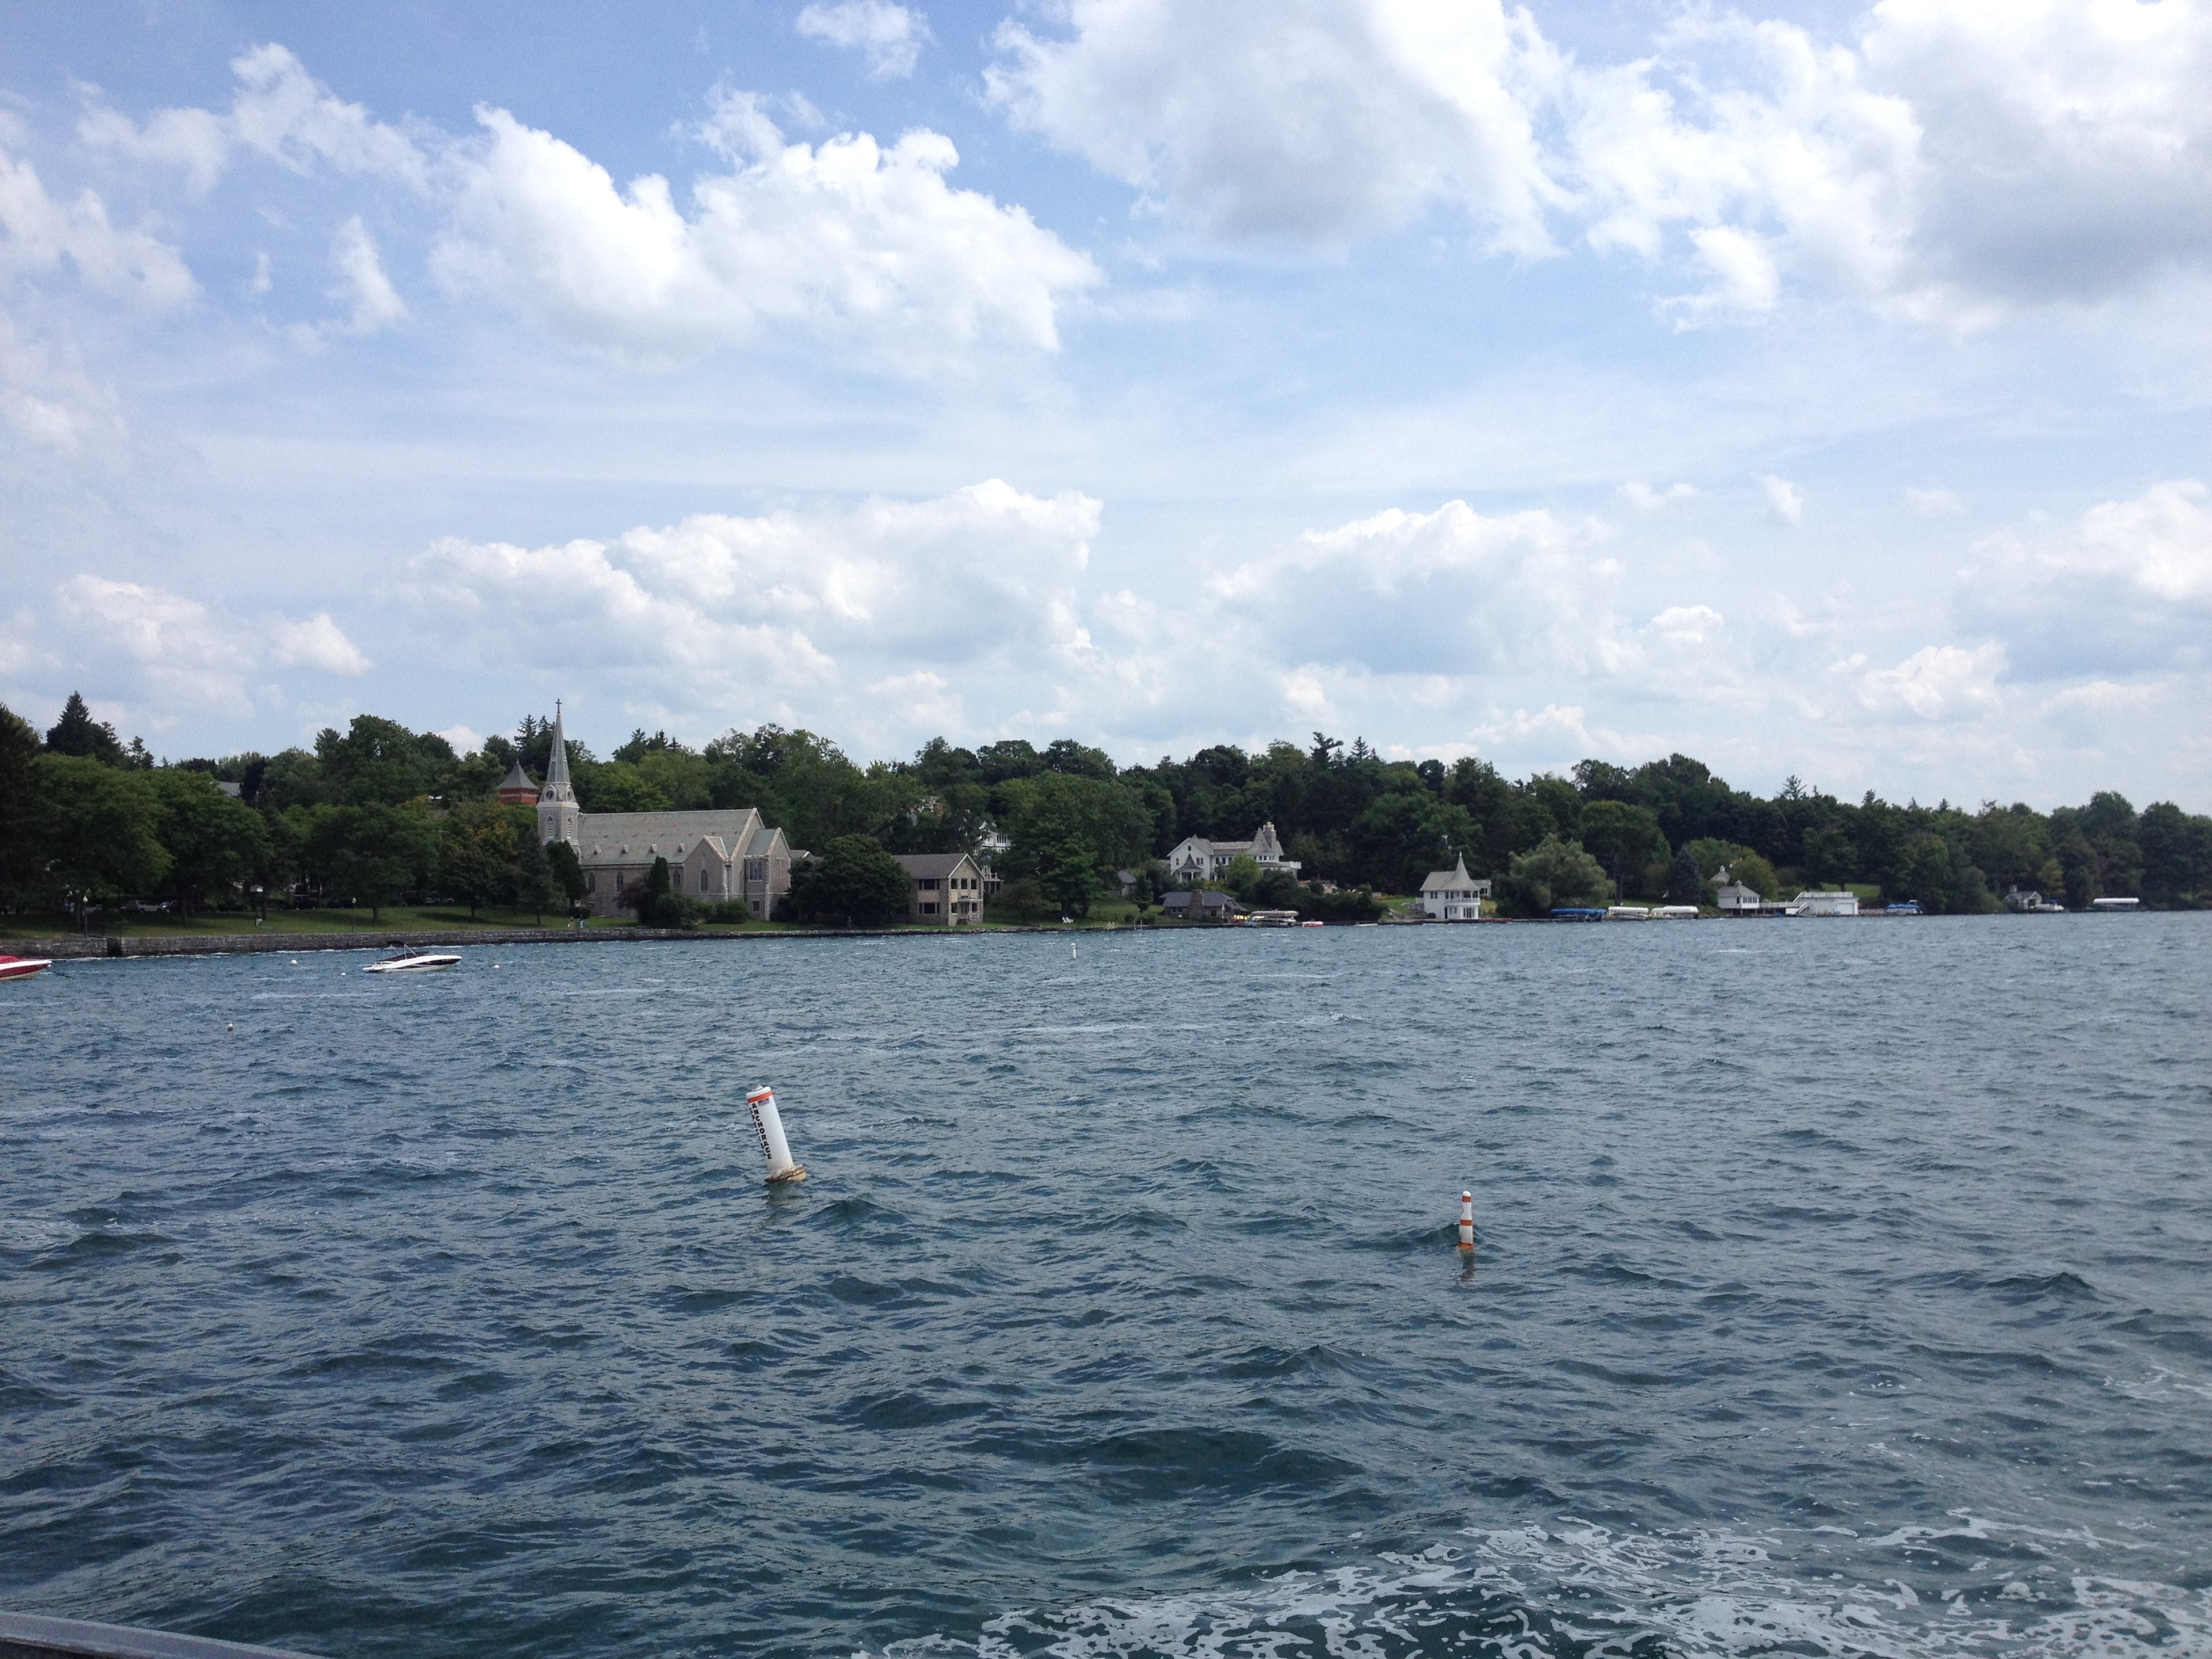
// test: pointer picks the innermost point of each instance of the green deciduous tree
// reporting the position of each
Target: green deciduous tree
(20, 859)
(216, 843)
(1346, 904)
(1622, 837)
(2177, 855)
(851, 879)
(1055, 810)
(478, 845)
(380, 762)
(371, 854)
(1408, 832)
(96, 829)
(1069, 875)
(1553, 873)
(1755, 873)
(535, 888)
(616, 787)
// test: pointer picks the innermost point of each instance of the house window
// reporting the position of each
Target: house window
(929, 910)
(590, 881)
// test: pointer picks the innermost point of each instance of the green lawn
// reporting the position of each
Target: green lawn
(395, 918)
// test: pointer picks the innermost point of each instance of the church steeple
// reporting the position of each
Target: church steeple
(557, 768)
(559, 817)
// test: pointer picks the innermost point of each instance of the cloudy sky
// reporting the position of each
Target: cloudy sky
(1811, 389)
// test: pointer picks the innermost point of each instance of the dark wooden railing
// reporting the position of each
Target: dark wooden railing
(29, 1635)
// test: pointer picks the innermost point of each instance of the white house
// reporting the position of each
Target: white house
(1197, 859)
(1734, 897)
(1453, 894)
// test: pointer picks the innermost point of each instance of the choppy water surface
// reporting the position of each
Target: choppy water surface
(1842, 1289)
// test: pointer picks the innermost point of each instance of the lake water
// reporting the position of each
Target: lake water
(1842, 1288)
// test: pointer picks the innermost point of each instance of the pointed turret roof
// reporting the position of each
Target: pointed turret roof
(516, 778)
(557, 766)
(1454, 880)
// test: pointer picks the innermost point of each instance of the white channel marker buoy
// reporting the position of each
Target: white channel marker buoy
(1467, 1221)
(770, 1123)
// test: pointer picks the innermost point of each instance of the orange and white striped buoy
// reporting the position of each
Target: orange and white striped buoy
(769, 1124)
(1467, 1221)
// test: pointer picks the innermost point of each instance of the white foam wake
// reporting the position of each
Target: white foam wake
(1580, 1589)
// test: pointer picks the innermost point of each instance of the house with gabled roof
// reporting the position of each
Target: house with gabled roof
(1197, 859)
(1199, 904)
(944, 889)
(1453, 894)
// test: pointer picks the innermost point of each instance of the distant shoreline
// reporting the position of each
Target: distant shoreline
(103, 947)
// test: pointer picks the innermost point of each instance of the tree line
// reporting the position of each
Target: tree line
(377, 813)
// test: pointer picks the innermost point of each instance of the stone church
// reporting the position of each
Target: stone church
(723, 853)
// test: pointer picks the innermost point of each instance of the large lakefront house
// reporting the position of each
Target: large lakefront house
(721, 853)
(1197, 859)
(945, 888)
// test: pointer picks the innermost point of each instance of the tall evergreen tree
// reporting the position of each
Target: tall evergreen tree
(77, 734)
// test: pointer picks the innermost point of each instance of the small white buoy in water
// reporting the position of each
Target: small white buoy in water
(1467, 1221)
(770, 1123)
(230, 1028)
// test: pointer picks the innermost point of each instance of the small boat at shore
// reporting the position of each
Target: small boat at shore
(24, 967)
(413, 962)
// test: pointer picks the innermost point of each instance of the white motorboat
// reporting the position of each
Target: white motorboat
(24, 967)
(413, 962)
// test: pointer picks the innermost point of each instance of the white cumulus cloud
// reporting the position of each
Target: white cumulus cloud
(1934, 503)
(848, 239)
(1936, 681)
(1785, 503)
(166, 654)
(1304, 120)
(748, 615)
(889, 36)
(375, 302)
(316, 642)
(1936, 159)
(38, 232)
(279, 112)
(1644, 499)
(863, 244)
(2160, 543)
